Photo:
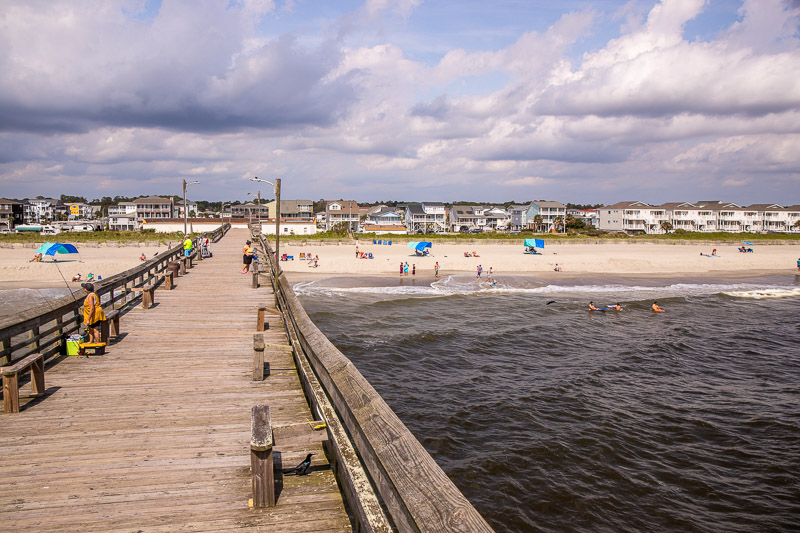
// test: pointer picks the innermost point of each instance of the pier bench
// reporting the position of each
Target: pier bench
(261, 464)
(147, 294)
(34, 363)
(110, 326)
(168, 279)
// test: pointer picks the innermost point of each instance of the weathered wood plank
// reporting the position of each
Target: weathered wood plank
(154, 435)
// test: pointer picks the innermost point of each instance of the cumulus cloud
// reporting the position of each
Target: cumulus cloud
(109, 93)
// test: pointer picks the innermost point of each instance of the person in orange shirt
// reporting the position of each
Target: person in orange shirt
(247, 257)
(92, 313)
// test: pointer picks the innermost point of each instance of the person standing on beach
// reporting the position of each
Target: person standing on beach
(480, 269)
(436, 268)
(356, 251)
(401, 268)
(247, 257)
(92, 313)
(414, 269)
(405, 269)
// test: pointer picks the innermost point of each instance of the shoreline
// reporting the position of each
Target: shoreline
(302, 277)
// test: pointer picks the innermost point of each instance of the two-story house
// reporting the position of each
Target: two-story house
(427, 217)
(153, 208)
(11, 214)
(122, 217)
(342, 212)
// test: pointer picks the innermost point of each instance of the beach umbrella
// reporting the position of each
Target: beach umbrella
(43, 248)
(420, 246)
(534, 243)
(59, 248)
(412, 244)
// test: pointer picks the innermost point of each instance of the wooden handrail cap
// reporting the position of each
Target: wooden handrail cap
(260, 428)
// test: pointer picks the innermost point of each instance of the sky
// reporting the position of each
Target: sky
(582, 101)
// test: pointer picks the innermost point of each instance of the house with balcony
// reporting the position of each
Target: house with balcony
(191, 207)
(427, 217)
(469, 217)
(122, 217)
(40, 210)
(516, 217)
(383, 215)
(629, 217)
(250, 210)
(342, 212)
(153, 208)
(11, 214)
(292, 209)
(549, 211)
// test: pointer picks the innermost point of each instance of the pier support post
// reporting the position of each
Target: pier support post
(258, 357)
(261, 321)
(261, 457)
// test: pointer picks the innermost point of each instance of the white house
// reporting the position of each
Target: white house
(428, 217)
(122, 217)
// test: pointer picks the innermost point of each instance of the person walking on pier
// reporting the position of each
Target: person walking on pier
(247, 257)
(187, 247)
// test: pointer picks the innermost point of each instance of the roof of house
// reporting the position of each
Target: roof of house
(547, 203)
(626, 205)
(433, 204)
(764, 207)
(346, 204)
(293, 206)
(384, 227)
(415, 209)
(678, 205)
(152, 200)
(10, 202)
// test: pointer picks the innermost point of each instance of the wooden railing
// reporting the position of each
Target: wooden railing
(415, 492)
(42, 329)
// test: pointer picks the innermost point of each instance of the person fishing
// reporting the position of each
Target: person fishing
(93, 313)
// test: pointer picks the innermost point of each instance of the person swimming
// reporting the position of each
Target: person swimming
(592, 307)
(656, 308)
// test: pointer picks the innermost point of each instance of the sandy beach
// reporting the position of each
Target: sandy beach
(640, 260)
(17, 272)
(654, 260)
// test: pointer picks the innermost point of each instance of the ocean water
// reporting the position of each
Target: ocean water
(552, 418)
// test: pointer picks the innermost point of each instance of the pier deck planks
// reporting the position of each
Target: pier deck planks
(155, 434)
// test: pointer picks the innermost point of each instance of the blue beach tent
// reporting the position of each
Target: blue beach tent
(52, 248)
(532, 244)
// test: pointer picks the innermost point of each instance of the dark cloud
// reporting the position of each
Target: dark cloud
(439, 108)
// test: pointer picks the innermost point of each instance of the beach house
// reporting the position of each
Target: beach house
(427, 217)
(40, 210)
(122, 217)
(550, 213)
(704, 216)
(299, 209)
(382, 215)
(153, 208)
(11, 214)
(470, 217)
(342, 212)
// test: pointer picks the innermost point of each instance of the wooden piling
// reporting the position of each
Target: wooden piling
(261, 457)
(258, 357)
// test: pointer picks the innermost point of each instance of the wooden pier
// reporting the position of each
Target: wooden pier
(155, 434)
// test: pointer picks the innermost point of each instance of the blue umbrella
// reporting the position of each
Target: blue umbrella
(57, 247)
(422, 245)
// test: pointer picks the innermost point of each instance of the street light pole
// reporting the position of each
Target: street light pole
(277, 186)
(185, 212)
